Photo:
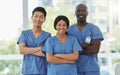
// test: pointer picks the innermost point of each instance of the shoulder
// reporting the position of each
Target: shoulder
(73, 25)
(96, 32)
(26, 31)
(71, 37)
(46, 32)
(94, 28)
(71, 28)
(51, 38)
(91, 25)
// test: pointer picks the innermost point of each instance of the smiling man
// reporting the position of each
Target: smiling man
(89, 37)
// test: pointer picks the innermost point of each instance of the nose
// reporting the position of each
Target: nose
(38, 18)
(81, 11)
(61, 27)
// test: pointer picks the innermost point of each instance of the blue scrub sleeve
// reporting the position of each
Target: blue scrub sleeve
(21, 38)
(48, 46)
(97, 33)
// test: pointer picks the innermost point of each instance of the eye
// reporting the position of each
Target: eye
(59, 24)
(64, 25)
(41, 17)
(35, 16)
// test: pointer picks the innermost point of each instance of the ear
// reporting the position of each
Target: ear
(45, 19)
(75, 13)
(87, 13)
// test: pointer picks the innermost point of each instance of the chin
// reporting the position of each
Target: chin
(62, 33)
(81, 21)
(38, 25)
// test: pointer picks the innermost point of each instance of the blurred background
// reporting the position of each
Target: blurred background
(15, 16)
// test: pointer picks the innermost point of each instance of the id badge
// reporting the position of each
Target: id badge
(88, 40)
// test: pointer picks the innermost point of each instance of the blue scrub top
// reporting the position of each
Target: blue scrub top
(53, 45)
(33, 64)
(86, 62)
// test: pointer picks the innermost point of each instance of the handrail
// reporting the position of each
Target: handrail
(20, 56)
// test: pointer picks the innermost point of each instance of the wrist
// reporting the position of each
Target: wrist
(40, 48)
(81, 52)
(37, 48)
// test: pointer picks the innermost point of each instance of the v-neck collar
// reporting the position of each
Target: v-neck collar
(34, 35)
(60, 41)
(83, 28)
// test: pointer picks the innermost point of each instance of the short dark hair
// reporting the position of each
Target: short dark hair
(40, 9)
(61, 17)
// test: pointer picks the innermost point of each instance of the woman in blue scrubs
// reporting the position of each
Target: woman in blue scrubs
(30, 45)
(62, 50)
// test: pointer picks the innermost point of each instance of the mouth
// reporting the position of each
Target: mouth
(61, 30)
(38, 22)
(81, 16)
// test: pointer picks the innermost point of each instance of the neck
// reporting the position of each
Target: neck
(81, 25)
(81, 22)
(37, 29)
(61, 36)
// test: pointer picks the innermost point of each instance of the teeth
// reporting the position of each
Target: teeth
(61, 30)
(81, 16)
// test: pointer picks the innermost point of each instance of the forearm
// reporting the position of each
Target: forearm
(70, 56)
(90, 51)
(92, 48)
(84, 45)
(56, 60)
(39, 53)
(27, 50)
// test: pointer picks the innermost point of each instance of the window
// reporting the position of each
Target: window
(15, 16)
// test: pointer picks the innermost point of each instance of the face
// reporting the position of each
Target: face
(38, 18)
(81, 13)
(61, 27)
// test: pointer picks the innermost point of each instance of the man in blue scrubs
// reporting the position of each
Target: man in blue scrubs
(89, 37)
(30, 44)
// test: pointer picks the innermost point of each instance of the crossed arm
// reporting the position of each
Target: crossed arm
(92, 48)
(26, 50)
(62, 58)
